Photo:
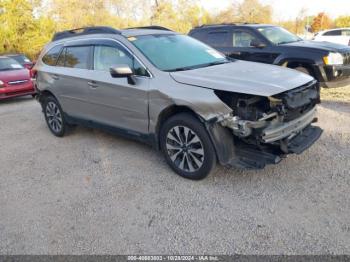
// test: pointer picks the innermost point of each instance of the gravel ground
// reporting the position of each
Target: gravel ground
(94, 193)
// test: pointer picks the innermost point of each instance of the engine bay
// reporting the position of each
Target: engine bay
(257, 119)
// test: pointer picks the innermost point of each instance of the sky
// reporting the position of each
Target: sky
(289, 9)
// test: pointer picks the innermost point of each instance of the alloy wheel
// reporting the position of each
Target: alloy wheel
(54, 117)
(185, 149)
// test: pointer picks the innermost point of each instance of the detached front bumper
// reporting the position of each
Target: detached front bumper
(282, 130)
(247, 156)
(272, 142)
(335, 76)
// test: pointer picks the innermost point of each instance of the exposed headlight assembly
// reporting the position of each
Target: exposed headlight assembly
(333, 59)
(1, 84)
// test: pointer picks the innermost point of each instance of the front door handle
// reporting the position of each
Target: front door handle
(236, 53)
(55, 77)
(92, 84)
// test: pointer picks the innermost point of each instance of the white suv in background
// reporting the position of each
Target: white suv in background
(338, 36)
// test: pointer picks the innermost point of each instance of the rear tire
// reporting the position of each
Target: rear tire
(54, 116)
(187, 147)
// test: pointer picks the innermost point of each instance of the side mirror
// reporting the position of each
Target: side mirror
(121, 71)
(29, 66)
(256, 43)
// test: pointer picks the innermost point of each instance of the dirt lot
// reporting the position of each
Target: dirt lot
(94, 193)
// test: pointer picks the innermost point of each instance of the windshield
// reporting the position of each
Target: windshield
(177, 52)
(21, 59)
(9, 64)
(278, 35)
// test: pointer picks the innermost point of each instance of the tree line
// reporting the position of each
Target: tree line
(27, 25)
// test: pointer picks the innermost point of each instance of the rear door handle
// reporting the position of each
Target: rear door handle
(92, 84)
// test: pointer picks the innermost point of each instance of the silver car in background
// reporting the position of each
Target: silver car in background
(178, 95)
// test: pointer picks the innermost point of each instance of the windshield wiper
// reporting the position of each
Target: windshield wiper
(288, 42)
(198, 66)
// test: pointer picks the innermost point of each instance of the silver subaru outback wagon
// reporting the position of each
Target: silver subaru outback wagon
(177, 94)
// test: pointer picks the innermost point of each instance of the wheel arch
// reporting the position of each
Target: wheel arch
(169, 112)
(294, 63)
(42, 95)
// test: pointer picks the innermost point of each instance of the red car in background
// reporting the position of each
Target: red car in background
(22, 59)
(15, 80)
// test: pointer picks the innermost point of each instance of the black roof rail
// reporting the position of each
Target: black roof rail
(154, 27)
(224, 24)
(85, 31)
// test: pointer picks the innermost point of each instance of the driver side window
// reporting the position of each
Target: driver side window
(243, 39)
(106, 57)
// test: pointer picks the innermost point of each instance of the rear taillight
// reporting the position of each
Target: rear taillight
(32, 73)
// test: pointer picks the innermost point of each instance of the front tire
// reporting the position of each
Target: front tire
(187, 147)
(54, 116)
(303, 70)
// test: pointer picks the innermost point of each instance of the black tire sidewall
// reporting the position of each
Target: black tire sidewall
(193, 123)
(63, 129)
(303, 70)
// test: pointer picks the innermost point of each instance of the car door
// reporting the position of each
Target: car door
(71, 78)
(246, 45)
(114, 101)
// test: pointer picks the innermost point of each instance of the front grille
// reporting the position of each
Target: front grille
(17, 82)
(300, 100)
(346, 58)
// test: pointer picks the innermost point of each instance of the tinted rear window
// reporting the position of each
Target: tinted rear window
(77, 57)
(51, 56)
(218, 39)
(333, 33)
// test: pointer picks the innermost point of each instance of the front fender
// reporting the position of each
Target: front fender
(282, 60)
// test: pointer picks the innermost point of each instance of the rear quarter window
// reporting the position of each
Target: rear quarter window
(332, 33)
(50, 58)
(218, 39)
(200, 35)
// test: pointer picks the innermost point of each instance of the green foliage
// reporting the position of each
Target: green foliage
(27, 25)
(248, 11)
(321, 22)
(342, 21)
(21, 31)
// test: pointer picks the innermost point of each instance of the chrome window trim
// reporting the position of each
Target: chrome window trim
(111, 39)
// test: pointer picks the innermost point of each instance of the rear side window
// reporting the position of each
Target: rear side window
(218, 39)
(199, 35)
(333, 33)
(77, 57)
(51, 56)
(61, 59)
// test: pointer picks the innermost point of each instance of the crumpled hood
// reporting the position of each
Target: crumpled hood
(244, 77)
(324, 46)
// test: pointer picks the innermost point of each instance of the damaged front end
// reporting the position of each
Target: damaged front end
(266, 129)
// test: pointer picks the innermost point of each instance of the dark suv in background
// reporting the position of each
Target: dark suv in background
(329, 63)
